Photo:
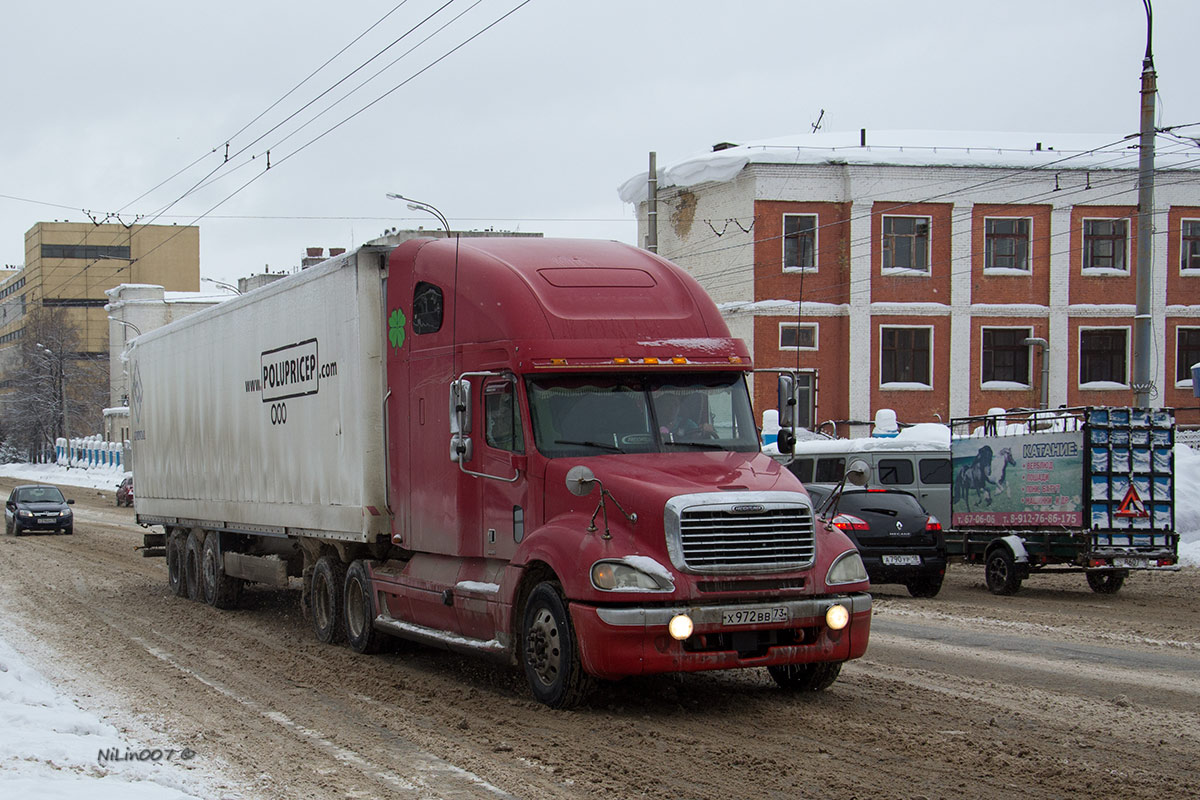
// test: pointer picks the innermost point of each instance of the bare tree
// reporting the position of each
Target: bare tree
(58, 391)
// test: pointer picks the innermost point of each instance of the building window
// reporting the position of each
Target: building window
(1187, 352)
(1189, 246)
(906, 243)
(1006, 243)
(794, 336)
(799, 241)
(86, 251)
(1105, 244)
(904, 356)
(1005, 358)
(1103, 356)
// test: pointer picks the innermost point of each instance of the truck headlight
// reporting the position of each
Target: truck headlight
(837, 617)
(846, 568)
(617, 575)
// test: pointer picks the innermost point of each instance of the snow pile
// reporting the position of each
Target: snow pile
(84, 477)
(1187, 503)
(49, 748)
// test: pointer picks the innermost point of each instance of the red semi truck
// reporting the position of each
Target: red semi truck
(541, 450)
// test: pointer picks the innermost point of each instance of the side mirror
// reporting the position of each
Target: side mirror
(786, 441)
(460, 421)
(858, 473)
(70, 502)
(460, 407)
(786, 390)
(580, 481)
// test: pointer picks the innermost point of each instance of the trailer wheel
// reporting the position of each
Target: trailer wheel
(193, 554)
(1107, 581)
(219, 590)
(925, 586)
(325, 600)
(806, 677)
(176, 579)
(1000, 572)
(359, 605)
(550, 654)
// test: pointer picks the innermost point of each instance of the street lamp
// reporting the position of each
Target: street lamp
(417, 205)
(222, 285)
(59, 403)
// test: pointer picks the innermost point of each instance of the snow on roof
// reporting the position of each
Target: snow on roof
(910, 148)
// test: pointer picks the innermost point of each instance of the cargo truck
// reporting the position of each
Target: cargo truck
(538, 450)
(1086, 490)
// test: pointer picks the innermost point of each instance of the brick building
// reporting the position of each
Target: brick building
(908, 272)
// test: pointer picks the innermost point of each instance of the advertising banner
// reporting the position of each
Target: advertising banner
(1018, 481)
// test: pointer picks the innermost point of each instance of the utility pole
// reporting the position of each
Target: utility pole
(1143, 331)
(652, 205)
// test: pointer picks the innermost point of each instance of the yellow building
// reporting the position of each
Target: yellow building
(69, 266)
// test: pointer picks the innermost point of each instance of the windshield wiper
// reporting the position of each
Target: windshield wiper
(698, 445)
(600, 445)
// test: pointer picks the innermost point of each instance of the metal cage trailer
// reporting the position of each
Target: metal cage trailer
(1087, 490)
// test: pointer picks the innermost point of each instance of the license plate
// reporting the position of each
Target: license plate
(47, 521)
(1133, 563)
(902, 561)
(754, 616)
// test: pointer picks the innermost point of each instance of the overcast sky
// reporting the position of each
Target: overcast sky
(532, 125)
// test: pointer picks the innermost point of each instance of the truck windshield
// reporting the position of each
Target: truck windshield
(593, 415)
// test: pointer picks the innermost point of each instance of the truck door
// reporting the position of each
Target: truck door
(502, 456)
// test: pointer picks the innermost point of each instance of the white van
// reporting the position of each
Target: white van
(917, 460)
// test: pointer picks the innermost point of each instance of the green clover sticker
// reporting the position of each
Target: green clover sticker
(396, 328)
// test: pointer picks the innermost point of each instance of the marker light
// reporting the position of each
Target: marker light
(679, 360)
(837, 617)
(649, 360)
(680, 626)
(620, 360)
(558, 362)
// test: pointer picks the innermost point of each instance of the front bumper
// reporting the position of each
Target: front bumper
(616, 642)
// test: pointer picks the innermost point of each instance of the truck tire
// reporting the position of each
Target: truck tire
(925, 585)
(806, 677)
(325, 600)
(193, 553)
(218, 589)
(1107, 581)
(549, 651)
(1000, 572)
(176, 579)
(359, 605)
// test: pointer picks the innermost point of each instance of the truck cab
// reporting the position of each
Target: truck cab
(574, 469)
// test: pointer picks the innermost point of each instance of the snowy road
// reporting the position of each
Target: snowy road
(1053, 692)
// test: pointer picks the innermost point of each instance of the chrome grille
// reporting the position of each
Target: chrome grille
(724, 538)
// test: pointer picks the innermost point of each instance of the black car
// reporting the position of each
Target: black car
(38, 508)
(899, 541)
